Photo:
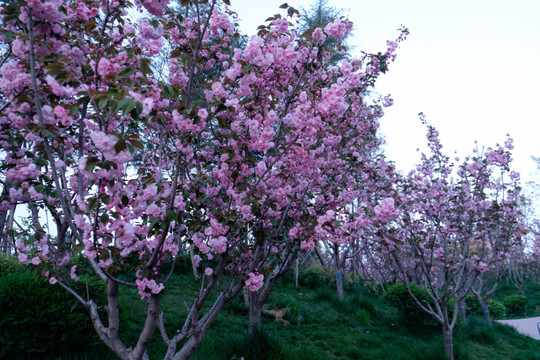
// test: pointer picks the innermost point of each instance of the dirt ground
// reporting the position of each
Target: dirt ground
(527, 326)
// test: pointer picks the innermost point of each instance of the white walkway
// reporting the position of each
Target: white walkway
(527, 326)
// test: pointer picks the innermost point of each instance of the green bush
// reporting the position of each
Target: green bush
(411, 314)
(39, 318)
(9, 264)
(314, 277)
(496, 308)
(516, 304)
(363, 317)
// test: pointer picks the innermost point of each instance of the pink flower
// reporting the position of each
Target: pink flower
(155, 7)
(386, 210)
(196, 260)
(218, 245)
(73, 274)
(105, 67)
(57, 89)
(208, 271)
(255, 282)
(148, 287)
(482, 267)
(307, 245)
(148, 31)
(282, 25)
(319, 36)
(53, 281)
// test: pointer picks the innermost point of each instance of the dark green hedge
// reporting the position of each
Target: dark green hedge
(39, 318)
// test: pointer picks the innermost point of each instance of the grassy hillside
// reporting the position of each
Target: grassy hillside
(311, 323)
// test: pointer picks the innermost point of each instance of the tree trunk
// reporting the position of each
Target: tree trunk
(245, 293)
(255, 312)
(296, 271)
(448, 341)
(463, 310)
(339, 285)
(485, 310)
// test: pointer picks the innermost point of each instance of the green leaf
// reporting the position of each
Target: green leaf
(290, 11)
(102, 102)
(176, 53)
(105, 198)
(138, 108)
(73, 110)
(125, 200)
(186, 58)
(39, 161)
(227, 2)
(104, 218)
(91, 163)
(168, 91)
(127, 71)
(284, 6)
(170, 215)
(120, 145)
(145, 66)
(55, 68)
(126, 105)
(137, 144)
(93, 203)
(47, 133)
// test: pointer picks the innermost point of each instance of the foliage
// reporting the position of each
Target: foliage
(9, 264)
(411, 314)
(496, 308)
(516, 304)
(313, 277)
(38, 318)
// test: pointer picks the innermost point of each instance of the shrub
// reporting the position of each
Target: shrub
(9, 264)
(39, 318)
(411, 313)
(516, 304)
(367, 305)
(315, 277)
(496, 308)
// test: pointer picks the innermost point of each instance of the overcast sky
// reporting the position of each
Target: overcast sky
(472, 66)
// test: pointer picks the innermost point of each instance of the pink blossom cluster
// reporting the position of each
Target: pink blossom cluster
(148, 287)
(254, 282)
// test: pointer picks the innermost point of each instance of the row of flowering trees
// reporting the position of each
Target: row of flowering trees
(456, 227)
(241, 155)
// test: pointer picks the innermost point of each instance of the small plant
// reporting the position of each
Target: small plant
(363, 317)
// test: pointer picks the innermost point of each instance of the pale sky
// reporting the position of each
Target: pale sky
(472, 66)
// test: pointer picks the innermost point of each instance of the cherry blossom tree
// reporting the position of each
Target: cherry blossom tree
(454, 225)
(240, 155)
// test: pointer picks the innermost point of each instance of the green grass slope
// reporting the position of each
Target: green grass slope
(311, 323)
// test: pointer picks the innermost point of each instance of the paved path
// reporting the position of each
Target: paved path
(525, 326)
